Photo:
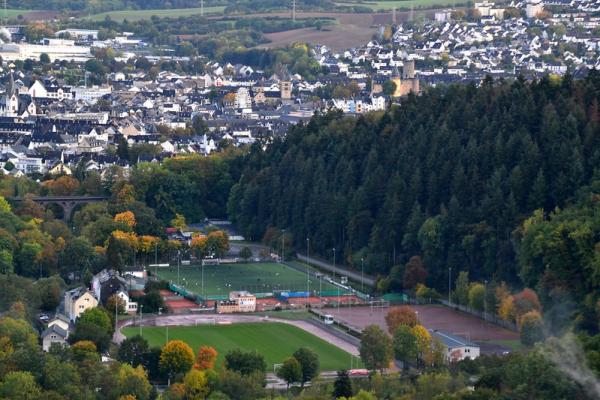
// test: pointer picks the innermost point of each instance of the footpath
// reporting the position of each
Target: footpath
(339, 270)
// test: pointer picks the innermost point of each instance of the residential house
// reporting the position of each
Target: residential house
(457, 348)
(77, 301)
(54, 334)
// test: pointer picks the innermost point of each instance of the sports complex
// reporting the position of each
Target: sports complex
(298, 283)
(195, 290)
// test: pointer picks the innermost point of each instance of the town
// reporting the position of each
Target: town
(48, 121)
(193, 206)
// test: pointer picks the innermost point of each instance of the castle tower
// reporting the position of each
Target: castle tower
(408, 71)
(397, 81)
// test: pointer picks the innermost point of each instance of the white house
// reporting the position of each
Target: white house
(61, 321)
(54, 334)
(457, 348)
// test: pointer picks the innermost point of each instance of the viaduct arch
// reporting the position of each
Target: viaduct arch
(67, 203)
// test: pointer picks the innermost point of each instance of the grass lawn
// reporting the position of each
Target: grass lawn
(399, 4)
(136, 15)
(275, 341)
(13, 12)
(219, 280)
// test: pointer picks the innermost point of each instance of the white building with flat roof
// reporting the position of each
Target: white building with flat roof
(90, 94)
(57, 49)
(81, 34)
(457, 348)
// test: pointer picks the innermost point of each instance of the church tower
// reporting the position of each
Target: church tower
(10, 100)
(285, 84)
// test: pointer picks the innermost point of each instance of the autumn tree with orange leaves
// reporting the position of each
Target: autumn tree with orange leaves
(206, 358)
(403, 315)
(62, 186)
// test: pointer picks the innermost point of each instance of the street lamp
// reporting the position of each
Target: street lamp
(362, 274)
(320, 290)
(283, 245)
(307, 270)
(334, 264)
(141, 317)
(484, 299)
(338, 288)
(116, 317)
(156, 258)
(449, 283)
(116, 303)
(178, 258)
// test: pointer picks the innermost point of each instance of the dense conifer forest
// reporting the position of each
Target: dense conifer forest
(450, 175)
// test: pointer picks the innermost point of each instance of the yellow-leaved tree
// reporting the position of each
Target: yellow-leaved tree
(176, 358)
(199, 245)
(423, 339)
(126, 218)
(196, 385)
(179, 222)
(134, 381)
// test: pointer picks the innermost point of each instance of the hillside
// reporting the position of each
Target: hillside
(241, 6)
(449, 176)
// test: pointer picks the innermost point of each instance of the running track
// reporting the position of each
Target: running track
(190, 319)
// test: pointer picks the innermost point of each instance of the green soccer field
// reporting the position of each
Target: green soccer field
(275, 341)
(219, 280)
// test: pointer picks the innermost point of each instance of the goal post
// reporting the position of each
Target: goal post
(206, 321)
(276, 367)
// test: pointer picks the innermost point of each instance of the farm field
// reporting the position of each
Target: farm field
(136, 15)
(351, 28)
(14, 12)
(275, 341)
(219, 280)
(334, 36)
(404, 4)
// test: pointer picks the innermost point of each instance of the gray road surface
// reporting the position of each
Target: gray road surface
(355, 276)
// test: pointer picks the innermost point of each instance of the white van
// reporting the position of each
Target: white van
(328, 319)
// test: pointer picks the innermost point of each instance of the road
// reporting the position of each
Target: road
(195, 319)
(355, 276)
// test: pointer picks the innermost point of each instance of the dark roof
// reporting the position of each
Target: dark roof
(55, 329)
(452, 341)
